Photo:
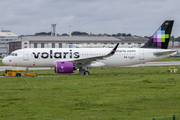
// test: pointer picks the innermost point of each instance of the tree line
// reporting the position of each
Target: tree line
(79, 33)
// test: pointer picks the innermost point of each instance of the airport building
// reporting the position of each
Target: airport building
(5, 37)
(174, 43)
(10, 42)
(75, 42)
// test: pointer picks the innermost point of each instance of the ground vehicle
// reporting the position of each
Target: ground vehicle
(18, 73)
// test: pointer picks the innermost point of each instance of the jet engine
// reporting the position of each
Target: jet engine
(63, 67)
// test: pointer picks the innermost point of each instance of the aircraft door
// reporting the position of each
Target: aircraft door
(26, 55)
(141, 54)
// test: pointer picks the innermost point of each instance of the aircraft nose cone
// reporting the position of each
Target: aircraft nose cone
(4, 61)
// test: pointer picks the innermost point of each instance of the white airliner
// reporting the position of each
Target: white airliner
(65, 60)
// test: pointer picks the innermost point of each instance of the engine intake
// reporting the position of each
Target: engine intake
(64, 67)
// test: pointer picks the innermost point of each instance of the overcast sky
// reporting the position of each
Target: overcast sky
(138, 17)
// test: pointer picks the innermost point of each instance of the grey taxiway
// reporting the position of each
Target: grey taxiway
(3, 68)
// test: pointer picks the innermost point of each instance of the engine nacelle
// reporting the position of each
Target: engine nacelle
(63, 67)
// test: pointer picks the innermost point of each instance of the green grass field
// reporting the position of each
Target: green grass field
(140, 93)
(1, 64)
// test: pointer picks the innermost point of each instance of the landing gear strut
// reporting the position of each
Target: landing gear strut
(27, 70)
(84, 71)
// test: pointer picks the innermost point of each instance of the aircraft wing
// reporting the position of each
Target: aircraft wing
(80, 62)
(165, 53)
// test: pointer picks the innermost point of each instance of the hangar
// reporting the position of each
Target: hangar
(6, 36)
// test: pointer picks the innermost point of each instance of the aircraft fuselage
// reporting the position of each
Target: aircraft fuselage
(47, 57)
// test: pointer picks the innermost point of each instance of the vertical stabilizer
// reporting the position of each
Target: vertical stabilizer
(160, 38)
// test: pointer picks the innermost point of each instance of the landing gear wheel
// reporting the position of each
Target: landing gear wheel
(86, 73)
(83, 70)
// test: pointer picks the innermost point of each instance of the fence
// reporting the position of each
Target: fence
(168, 118)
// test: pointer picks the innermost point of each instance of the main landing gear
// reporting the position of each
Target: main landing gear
(83, 71)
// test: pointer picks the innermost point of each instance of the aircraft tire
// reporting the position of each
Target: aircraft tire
(86, 73)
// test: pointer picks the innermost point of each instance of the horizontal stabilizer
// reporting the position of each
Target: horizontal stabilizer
(163, 53)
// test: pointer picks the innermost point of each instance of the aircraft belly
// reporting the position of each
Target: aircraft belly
(35, 63)
(42, 63)
(96, 64)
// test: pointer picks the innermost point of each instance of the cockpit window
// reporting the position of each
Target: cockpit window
(13, 54)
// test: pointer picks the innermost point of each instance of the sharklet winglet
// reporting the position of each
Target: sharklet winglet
(114, 49)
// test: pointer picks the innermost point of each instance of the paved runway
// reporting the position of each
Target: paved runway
(2, 68)
(157, 63)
